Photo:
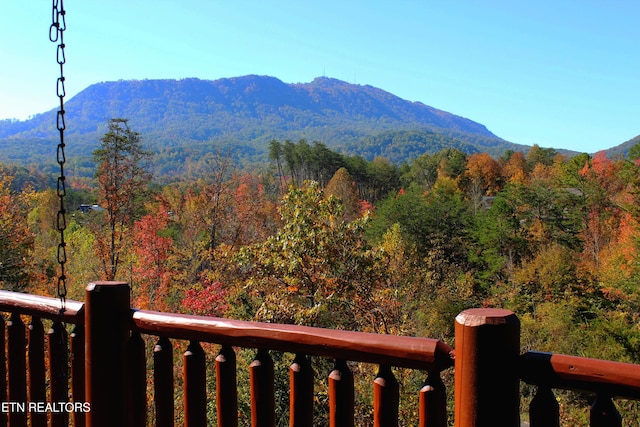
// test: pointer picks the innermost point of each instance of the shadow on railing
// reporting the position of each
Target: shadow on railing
(108, 368)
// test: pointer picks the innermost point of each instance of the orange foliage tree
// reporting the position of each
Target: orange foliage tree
(122, 181)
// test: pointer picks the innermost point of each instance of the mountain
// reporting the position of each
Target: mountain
(242, 114)
(622, 150)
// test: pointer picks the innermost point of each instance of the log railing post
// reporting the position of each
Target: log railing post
(136, 381)
(386, 398)
(195, 386)
(58, 372)
(341, 396)
(3, 372)
(301, 392)
(487, 389)
(261, 374)
(163, 382)
(226, 388)
(107, 325)
(17, 377)
(433, 402)
(76, 343)
(37, 378)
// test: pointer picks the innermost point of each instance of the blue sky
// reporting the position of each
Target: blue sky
(562, 74)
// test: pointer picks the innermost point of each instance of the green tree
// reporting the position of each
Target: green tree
(537, 154)
(122, 183)
(440, 218)
(634, 152)
(317, 269)
(275, 154)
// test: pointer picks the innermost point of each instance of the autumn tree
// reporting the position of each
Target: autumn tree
(215, 195)
(603, 182)
(253, 214)
(122, 182)
(344, 188)
(483, 175)
(515, 168)
(317, 269)
(152, 272)
(16, 241)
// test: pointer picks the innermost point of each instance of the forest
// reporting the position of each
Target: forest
(322, 239)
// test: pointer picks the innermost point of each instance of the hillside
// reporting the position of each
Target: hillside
(244, 113)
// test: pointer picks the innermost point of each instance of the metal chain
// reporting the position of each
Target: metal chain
(56, 35)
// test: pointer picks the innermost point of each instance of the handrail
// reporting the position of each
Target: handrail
(408, 352)
(560, 371)
(486, 340)
(39, 306)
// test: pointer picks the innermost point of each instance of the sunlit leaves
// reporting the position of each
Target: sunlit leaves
(317, 269)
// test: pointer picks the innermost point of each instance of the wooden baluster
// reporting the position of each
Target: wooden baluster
(3, 372)
(262, 390)
(386, 398)
(58, 373)
(341, 396)
(301, 392)
(195, 386)
(76, 343)
(163, 382)
(37, 389)
(604, 413)
(226, 388)
(544, 410)
(17, 371)
(137, 379)
(433, 402)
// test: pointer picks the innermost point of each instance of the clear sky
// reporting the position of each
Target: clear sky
(558, 73)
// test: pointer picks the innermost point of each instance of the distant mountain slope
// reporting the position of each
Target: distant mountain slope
(245, 113)
(622, 150)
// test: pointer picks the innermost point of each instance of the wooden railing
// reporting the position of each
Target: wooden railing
(28, 382)
(108, 368)
(604, 379)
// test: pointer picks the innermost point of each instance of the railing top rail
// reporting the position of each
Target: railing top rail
(408, 352)
(39, 306)
(616, 379)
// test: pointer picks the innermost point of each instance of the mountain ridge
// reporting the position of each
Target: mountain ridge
(246, 112)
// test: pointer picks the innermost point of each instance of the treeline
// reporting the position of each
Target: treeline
(329, 240)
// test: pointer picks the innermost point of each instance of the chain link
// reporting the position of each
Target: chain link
(56, 35)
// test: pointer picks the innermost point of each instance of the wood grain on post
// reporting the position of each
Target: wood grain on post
(486, 368)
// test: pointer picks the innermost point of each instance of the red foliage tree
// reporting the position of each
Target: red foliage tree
(152, 250)
(207, 299)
